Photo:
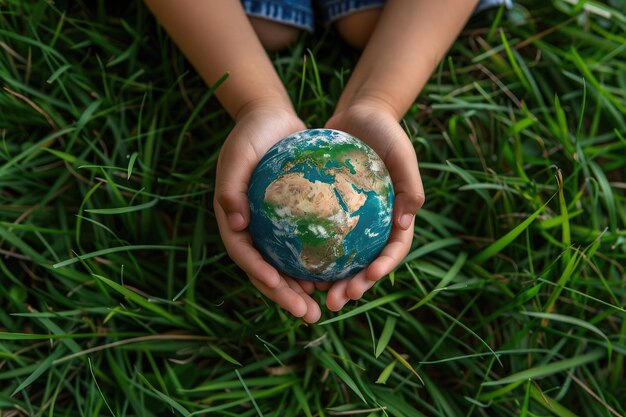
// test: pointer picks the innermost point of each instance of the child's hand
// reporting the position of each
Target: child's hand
(258, 128)
(409, 39)
(376, 124)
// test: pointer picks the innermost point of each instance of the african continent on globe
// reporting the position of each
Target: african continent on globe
(321, 204)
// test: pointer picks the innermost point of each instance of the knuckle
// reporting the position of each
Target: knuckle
(225, 198)
(416, 199)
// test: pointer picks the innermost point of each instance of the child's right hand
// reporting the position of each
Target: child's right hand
(259, 126)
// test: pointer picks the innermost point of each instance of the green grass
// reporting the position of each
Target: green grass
(117, 298)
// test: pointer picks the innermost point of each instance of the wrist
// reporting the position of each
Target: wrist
(372, 100)
(278, 104)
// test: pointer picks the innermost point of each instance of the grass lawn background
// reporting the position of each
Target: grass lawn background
(511, 302)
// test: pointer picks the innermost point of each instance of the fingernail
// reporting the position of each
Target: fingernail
(405, 221)
(236, 221)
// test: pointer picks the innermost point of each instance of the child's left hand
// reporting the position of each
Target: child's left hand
(377, 125)
(256, 130)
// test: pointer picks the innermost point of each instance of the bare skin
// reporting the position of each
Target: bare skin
(274, 36)
(356, 28)
(403, 43)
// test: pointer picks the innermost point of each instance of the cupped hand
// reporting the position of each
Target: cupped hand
(255, 131)
(378, 126)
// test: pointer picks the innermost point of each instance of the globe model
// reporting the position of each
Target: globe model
(321, 205)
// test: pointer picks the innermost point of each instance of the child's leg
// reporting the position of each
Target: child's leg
(274, 35)
(278, 23)
(356, 28)
(354, 19)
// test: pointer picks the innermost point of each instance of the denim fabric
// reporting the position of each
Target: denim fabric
(334, 9)
(484, 4)
(299, 13)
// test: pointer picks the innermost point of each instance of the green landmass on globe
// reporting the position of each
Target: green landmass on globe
(321, 204)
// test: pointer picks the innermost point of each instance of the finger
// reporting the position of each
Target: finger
(284, 296)
(307, 286)
(243, 253)
(393, 253)
(313, 312)
(337, 298)
(357, 286)
(323, 286)
(396, 249)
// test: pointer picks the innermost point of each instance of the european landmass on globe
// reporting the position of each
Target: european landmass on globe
(321, 204)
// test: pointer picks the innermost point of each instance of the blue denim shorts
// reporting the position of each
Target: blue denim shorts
(299, 13)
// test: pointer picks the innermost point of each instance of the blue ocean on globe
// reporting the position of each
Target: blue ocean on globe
(321, 204)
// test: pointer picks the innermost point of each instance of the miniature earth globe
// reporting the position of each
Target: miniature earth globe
(321, 204)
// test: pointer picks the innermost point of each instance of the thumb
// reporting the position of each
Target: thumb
(406, 203)
(234, 168)
(234, 202)
(402, 164)
(407, 184)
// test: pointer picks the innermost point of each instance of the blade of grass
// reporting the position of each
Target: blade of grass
(137, 299)
(570, 320)
(549, 369)
(497, 246)
(405, 363)
(326, 360)
(457, 322)
(39, 370)
(122, 210)
(432, 247)
(131, 164)
(385, 335)
(318, 89)
(166, 398)
(225, 355)
(363, 308)
(607, 194)
(93, 377)
(194, 115)
(108, 251)
(302, 400)
(447, 278)
(386, 373)
(568, 271)
(549, 403)
(249, 394)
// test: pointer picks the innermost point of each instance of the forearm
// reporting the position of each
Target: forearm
(410, 39)
(217, 38)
